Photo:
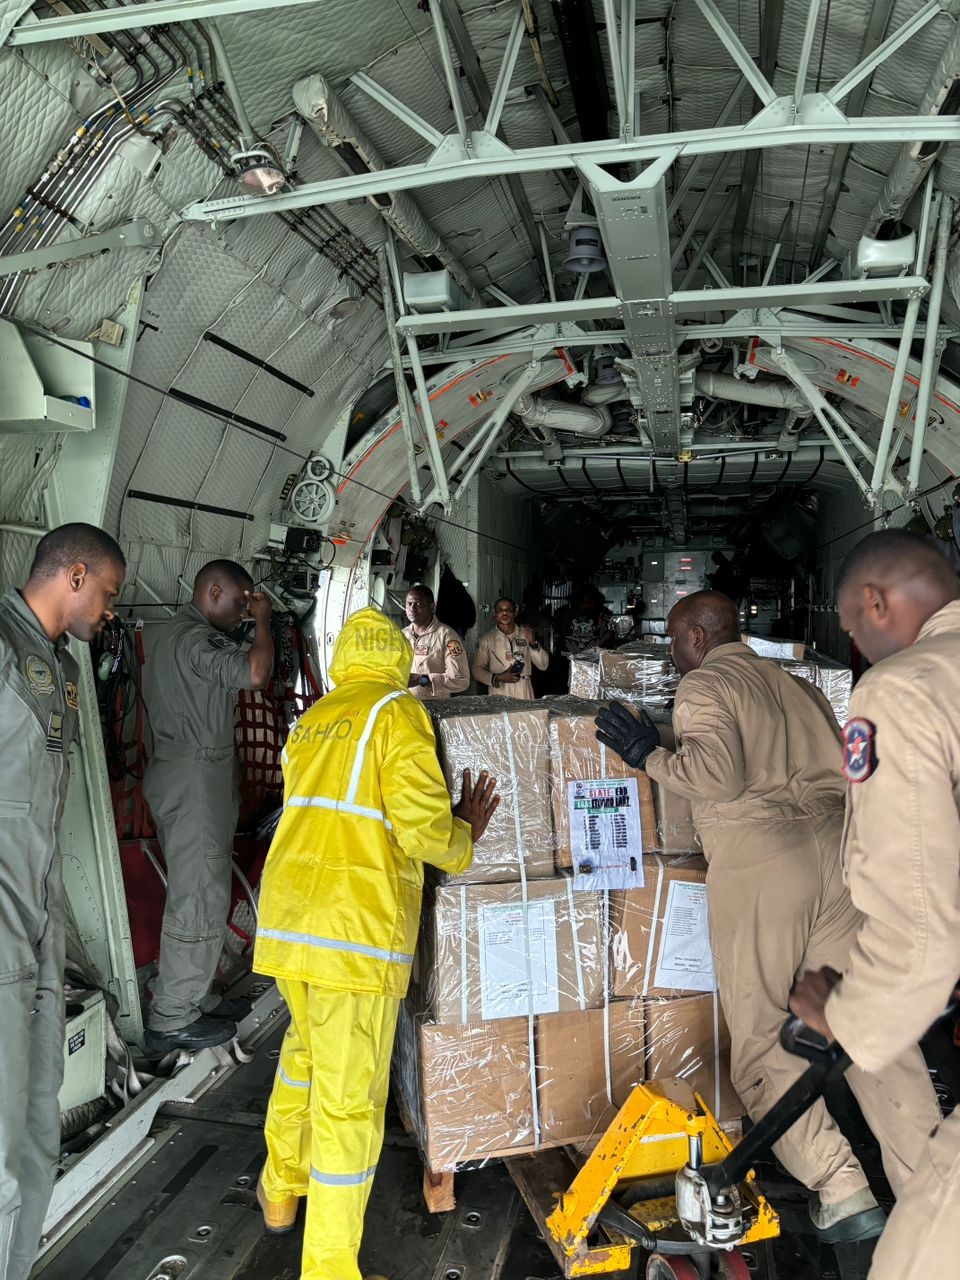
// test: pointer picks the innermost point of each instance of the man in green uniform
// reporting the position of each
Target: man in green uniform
(192, 675)
(77, 573)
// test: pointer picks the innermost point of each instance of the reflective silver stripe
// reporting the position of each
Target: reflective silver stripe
(364, 739)
(338, 806)
(296, 1084)
(336, 944)
(343, 1179)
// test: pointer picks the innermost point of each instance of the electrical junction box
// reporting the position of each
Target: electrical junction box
(84, 1051)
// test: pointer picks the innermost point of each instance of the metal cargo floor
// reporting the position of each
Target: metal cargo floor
(189, 1212)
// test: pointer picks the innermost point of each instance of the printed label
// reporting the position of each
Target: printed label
(686, 961)
(605, 833)
(518, 959)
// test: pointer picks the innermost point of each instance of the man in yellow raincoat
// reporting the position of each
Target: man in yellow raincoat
(365, 806)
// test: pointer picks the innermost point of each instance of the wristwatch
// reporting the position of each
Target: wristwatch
(424, 681)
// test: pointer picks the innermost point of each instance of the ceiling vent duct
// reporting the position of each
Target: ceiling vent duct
(581, 420)
(336, 128)
(585, 254)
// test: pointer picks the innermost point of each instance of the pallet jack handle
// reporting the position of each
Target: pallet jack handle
(827, 1061)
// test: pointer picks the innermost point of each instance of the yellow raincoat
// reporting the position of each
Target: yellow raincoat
(365, 805)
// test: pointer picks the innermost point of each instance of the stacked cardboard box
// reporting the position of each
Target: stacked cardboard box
(528, 1024)
(832, 678)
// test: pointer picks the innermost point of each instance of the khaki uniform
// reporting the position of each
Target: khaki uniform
(496, 655)
(191, 679)
(438, 653)
(39, 712)
(901, 856)
(759, 758)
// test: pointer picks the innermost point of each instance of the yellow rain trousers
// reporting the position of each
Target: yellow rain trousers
(365, 806)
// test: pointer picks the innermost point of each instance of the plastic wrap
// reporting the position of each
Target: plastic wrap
(584, 677)
(666, 819)
(659, 945)
(509, 738)
(788, 650)
(688, 1040)
(516, 1085)
(512, 950)
(831, 678)
(639, 673)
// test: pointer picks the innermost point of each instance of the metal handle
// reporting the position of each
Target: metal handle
(799, 1039)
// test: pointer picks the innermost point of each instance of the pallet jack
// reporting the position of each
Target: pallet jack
(665, 1180)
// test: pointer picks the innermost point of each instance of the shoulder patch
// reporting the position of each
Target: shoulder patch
(455, 647)
(39, 676)
(217, 642)
(859, 750)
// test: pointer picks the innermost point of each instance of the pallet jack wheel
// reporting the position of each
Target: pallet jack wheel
(732, 1266)
(660, 1267)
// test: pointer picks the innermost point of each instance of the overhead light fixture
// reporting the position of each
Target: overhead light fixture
(258, 171)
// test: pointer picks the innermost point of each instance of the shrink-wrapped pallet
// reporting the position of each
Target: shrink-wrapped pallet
(584, 677)
(509, 739)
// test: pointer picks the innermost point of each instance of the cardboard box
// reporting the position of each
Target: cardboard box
(467, 1091)
(509, 739)
(644, 921)
(578, 1054)
(584, 677)
(645, 671)
(789, 650)
(576, 756)
(688, 1040)
(491, 956)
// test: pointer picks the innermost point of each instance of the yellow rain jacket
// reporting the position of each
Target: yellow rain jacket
(365, 806)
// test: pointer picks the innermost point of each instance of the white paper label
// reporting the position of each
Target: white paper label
(686, 961)
(605, 833)
(518, 959)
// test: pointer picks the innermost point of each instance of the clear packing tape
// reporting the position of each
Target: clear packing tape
(538, 1001)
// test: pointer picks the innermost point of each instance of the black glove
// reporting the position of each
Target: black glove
(630, 738)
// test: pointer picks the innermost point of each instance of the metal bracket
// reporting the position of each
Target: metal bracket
(139, 234)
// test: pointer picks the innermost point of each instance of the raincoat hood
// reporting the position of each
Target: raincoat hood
(371, 647)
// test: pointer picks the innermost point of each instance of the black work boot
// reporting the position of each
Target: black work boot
(201, 1034)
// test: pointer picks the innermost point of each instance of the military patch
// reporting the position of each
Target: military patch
(455, 647)
(859, 757)
(55, 733)
(39, 676)
(73, 696)
(218, 642)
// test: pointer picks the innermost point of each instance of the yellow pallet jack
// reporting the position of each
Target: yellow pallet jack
(665, 1180)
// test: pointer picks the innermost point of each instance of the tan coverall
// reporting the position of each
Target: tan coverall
(759, 758)
(901, 857)
(496, 655)
(438, 653)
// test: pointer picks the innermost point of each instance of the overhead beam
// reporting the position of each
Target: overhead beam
(759, 80)
(873, 59)
(683, 302)
(632, 213)
(882, 129)
(139, 16)
(137, 234)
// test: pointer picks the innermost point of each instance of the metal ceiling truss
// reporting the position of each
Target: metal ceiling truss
(137, 17)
